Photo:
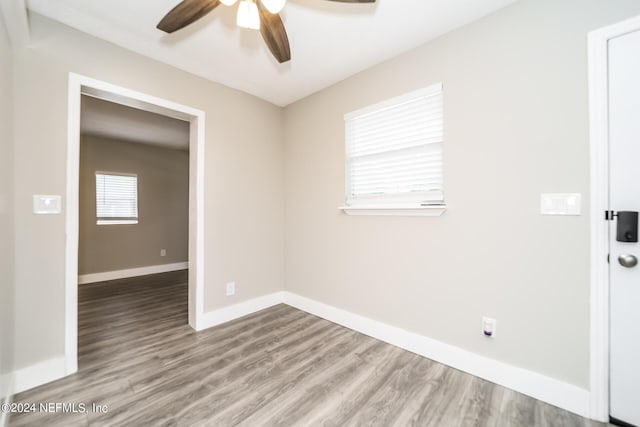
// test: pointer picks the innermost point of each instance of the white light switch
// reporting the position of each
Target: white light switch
(560, 204)
(46, 205)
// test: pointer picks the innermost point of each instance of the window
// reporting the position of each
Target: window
(394, 153)
(116, 199)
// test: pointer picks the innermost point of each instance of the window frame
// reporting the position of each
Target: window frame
(391, 204)
(115, 220)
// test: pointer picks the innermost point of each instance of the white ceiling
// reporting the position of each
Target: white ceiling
(329, 40)
(111, 120)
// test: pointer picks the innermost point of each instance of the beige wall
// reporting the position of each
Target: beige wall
(6, 211)
(243, 177)
(163, 206)
(515, 96)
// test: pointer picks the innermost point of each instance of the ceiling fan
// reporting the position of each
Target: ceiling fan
(260, 15)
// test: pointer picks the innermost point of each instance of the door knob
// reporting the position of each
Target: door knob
(628, 260)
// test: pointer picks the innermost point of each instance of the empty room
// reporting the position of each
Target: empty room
(319, 213)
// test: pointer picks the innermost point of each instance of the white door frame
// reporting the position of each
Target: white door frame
(81, 85)
(599, 228)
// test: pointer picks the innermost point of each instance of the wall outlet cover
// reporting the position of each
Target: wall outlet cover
(231, 288)
(488, 327)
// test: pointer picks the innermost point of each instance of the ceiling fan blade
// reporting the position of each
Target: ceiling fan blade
(274, 35)
(185, 13)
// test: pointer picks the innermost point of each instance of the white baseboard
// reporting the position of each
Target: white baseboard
(6, 385)
(546, 389)
(131, 272)
(6, 396)
(39, 373)
(226, 314)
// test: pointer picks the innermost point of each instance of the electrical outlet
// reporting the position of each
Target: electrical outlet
(489, 327)
(163, 252)
(231, 288)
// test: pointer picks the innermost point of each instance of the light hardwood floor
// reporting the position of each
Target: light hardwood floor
(277, 367)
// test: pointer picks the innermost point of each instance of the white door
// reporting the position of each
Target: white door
(624, 166)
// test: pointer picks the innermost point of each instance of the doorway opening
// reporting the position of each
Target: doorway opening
(79, 87)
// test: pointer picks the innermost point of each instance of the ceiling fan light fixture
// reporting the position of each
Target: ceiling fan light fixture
(248, 15)
(228, 2)
(273, 6)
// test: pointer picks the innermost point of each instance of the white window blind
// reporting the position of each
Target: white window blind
(116, 199)
(394, 151)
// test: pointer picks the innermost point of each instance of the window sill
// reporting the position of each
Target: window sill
(395, 210)
(116, 222)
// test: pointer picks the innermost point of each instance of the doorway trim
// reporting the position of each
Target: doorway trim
(599, 228)
(81, 85)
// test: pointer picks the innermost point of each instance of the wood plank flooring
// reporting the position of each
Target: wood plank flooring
(278, 367)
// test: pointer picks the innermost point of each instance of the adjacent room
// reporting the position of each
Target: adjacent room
(133, 191)
(319, 212)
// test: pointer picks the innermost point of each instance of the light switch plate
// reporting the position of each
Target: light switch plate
(561, 204)
(47, 205)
